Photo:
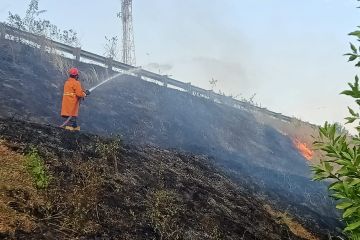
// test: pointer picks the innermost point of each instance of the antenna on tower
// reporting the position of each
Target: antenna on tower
(128, 44)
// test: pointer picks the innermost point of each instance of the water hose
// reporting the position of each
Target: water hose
(70, 117)
(66, 122)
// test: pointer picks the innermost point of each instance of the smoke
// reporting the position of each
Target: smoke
(157, 67)
(283, 52)
(231, 75)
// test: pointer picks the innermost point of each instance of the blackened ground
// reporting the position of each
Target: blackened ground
(102, 189)
(254, 154)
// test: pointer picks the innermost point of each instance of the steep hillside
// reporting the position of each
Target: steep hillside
(102, 189)
(245, 146)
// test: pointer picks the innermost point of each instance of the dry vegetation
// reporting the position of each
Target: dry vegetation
(24, 208)
(164, 214)
(17, 191)
(294, 226)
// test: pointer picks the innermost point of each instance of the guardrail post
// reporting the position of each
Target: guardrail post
(188, 87)
(210, 95)
(42, 41)
(2, 31)
(77, 54)
(223, 99)
(165, 82)
(230, 101)
(109, 63)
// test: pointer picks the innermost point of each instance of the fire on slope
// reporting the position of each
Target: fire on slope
(303, 149)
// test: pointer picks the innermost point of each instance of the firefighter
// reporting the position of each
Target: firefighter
(73, 94)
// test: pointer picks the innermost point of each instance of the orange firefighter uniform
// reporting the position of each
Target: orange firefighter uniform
(73, 92)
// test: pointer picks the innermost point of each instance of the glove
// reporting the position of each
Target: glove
(87, 92)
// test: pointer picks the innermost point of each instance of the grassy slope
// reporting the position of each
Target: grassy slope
(16, 192)
(101, 188)
(146, 113)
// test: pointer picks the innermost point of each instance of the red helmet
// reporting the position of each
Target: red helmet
(74, 71)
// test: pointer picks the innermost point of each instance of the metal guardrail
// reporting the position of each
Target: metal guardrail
(78, 53)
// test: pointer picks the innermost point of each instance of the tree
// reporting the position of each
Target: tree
(31, 13)
(111, 47)
(33, 24)
(341, 161)
(16, 21)
(69, 37)
(213, 83)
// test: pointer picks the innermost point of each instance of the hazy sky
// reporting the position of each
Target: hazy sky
(287, 52)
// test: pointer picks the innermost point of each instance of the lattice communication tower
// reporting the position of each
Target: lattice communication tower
(128, 44)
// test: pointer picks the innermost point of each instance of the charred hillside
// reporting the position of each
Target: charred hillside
(251, 152)
(102, 189)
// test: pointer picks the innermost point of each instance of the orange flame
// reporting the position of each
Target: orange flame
(304, 149)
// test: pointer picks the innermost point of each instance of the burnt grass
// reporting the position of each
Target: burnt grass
(255, 156)
(104, 189)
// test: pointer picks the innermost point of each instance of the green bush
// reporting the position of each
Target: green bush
(341, 161)
(36, 167)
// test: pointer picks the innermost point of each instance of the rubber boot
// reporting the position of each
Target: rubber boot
(69, 128)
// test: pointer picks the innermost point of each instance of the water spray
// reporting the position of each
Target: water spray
(103, 82)
(113, 77)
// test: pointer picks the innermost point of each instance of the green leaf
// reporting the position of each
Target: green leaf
(344, 205)
(355, 182)
(352, 112)
(350, 211)
(343, 171)
(348, 93)
(343, 162)
(331, 148)
(337, 139)
(323, 130)
(355, 33)
(353, 48)
(352, 226)
(316, 168)
(338, 196)
(319, 177)
(350, 119)
(352, 58)
(337, 186)
(357, 161)
(346, 155)
(328, 167)
(332, 132)
(346, 188)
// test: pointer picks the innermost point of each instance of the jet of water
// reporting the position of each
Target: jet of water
(113, 77)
